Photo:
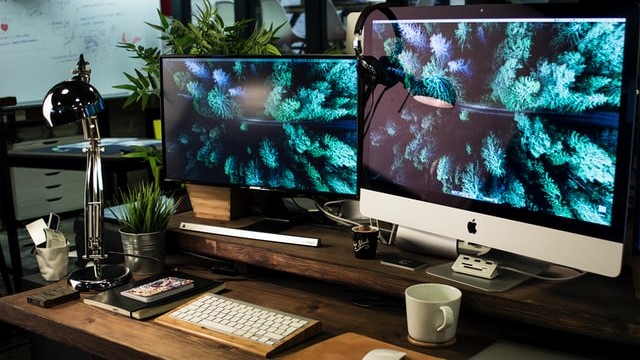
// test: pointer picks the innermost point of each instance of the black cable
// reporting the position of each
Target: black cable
(369, 116)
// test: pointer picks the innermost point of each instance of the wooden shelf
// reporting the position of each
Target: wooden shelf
(591, 305)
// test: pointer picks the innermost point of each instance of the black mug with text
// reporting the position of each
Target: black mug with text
(365, 241)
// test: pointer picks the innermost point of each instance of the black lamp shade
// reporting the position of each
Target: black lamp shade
(71, 101)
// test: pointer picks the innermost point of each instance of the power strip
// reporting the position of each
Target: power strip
(470, 265)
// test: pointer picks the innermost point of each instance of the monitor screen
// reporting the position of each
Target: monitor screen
(284, 123)
(534, 157)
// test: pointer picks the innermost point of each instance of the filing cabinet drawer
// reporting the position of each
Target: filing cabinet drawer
(41, 143)
(27, 178)
(37, 192)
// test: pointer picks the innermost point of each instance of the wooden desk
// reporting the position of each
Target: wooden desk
(107, 335)
(592, 316)
(592, 306)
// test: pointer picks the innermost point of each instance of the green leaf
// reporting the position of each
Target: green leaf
(146, 209)
(130, 100)
(145, 100)
(125, 87)
(206, 35)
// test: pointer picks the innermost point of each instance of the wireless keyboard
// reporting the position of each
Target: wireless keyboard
(250, 234)
(253, 328)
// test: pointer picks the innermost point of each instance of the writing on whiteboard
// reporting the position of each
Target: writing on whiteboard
(41, 40)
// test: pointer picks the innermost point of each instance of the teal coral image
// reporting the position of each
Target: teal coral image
(272, 122)
(535, 122)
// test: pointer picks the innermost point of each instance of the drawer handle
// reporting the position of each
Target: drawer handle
(49, 142)
(53, 186)
(55, 199)
(52, 173)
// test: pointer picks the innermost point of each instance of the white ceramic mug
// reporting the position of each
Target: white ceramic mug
(432, 313)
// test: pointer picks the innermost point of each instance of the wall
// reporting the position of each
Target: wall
(41, 40)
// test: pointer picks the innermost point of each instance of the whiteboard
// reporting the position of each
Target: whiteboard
(41, 42)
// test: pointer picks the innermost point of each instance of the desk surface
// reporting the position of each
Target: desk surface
(70, 156)
(594, 306)
(104, 334)
(590, 316)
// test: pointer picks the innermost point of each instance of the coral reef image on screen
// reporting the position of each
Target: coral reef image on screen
(276, 123)
(535, 121)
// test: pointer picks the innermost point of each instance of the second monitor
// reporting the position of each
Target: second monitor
(286, 123)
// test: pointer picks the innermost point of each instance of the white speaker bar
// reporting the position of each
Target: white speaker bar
(249, 234)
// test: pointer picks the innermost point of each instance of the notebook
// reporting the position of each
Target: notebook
(114, 301)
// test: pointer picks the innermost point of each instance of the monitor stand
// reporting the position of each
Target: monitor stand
(504, 281)
(269, 225)
(276, 216)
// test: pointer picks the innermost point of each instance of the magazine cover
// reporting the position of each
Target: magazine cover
(113, 300)
(158, 289)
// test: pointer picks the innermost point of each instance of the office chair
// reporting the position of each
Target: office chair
(273, 14)
(226, 11)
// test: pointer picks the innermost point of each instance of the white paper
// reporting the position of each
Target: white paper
(36, 231)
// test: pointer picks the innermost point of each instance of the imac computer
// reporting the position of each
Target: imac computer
(526, 147)
(280, 126)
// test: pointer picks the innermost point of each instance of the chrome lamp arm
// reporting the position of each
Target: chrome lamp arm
(67, 102)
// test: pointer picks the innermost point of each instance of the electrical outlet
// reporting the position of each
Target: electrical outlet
(470, 265)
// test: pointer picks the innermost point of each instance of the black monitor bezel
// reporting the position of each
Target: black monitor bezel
(282, 192)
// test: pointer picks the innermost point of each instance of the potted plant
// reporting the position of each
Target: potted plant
(143, 217)
(207, 35)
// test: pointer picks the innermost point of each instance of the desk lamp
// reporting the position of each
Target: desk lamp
(68, 102)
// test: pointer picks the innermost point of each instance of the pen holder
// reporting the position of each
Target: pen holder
(52, 262)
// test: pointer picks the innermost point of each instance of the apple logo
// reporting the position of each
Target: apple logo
(472, 227)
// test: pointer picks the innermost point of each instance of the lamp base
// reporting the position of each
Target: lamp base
(85, 279)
